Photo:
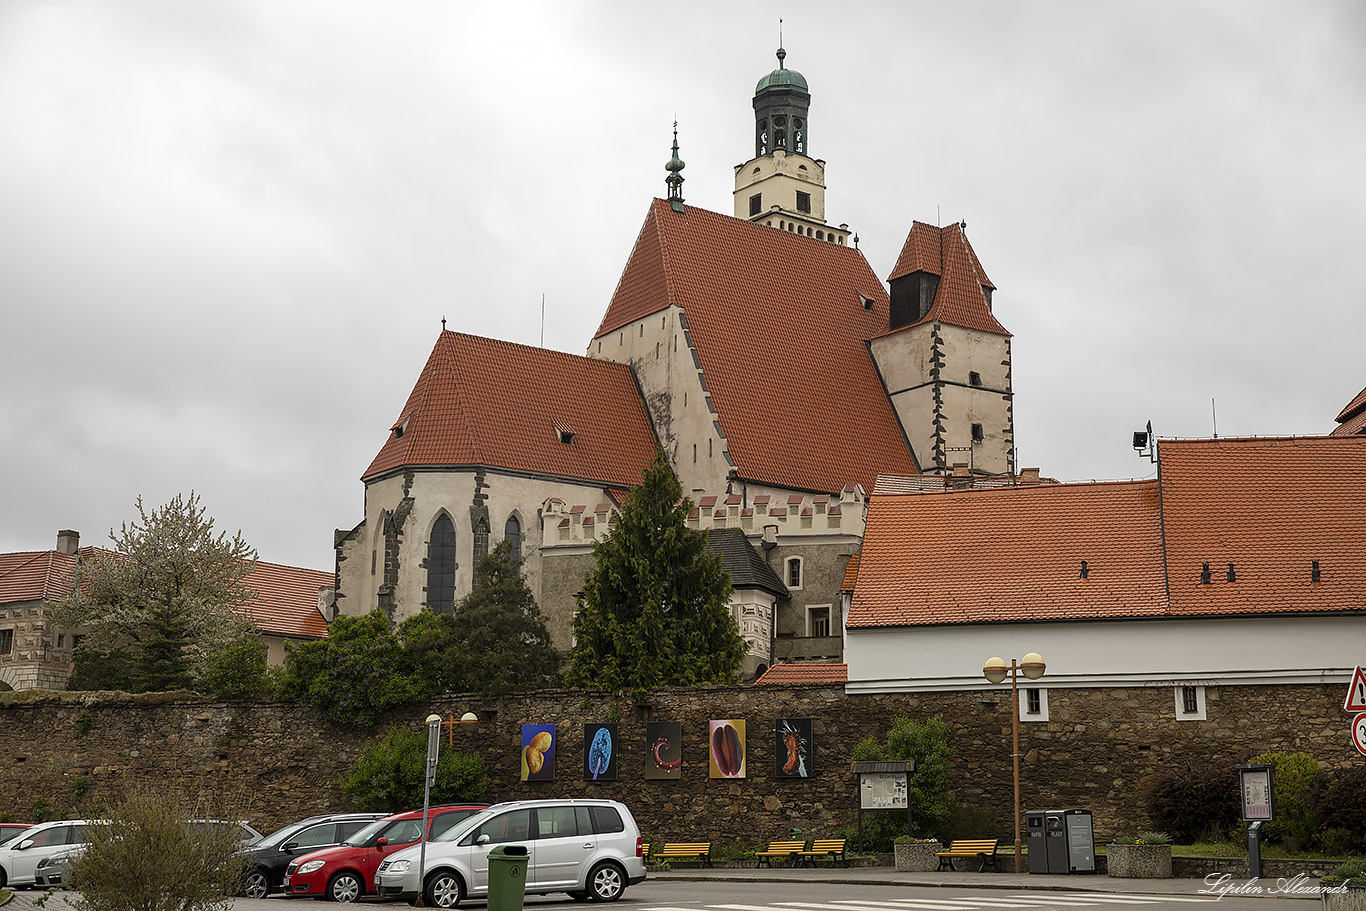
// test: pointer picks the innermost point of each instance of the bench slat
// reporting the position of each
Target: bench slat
(982, 848)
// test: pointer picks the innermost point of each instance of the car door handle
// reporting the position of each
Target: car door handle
(588, 847)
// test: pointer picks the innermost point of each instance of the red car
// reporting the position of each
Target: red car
(346, 872)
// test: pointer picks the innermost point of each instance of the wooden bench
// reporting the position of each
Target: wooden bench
(984, 849)
(778, 849)
(700, 850)
(832, 848)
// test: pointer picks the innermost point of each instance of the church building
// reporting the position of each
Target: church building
(765, 356)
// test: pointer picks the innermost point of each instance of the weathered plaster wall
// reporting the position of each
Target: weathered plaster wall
(1099, 750)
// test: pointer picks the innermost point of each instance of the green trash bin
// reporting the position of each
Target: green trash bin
(507, 877)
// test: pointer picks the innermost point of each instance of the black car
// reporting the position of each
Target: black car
(266, 860)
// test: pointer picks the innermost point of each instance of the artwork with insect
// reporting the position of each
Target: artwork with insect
(793, 748)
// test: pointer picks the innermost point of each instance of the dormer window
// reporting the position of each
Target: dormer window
(400, 427)
(564, 432)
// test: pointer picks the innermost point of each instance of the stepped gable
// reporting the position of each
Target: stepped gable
(1352, 419)
(780, 329)
(1011, 554)
(480, 401)
(746, 567)
(947, 253)
(1271, 507)
(287, 599)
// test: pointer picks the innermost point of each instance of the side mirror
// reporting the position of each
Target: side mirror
(289, 847)
(482, 840)
(24, 845)
(381, 841)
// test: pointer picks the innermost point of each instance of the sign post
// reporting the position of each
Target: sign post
(1259, 805)
(883, 786)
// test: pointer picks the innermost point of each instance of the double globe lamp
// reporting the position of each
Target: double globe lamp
(995, 670)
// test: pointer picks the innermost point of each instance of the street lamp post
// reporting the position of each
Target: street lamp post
(995, 670)
(434, 725)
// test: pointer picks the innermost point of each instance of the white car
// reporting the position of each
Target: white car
(19, 857)
(588, 848)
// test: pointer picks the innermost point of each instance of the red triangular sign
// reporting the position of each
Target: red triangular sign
(1356, 693)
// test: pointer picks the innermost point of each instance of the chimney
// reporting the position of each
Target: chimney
(960, 470)
(770, 539)
(68, 541)
(1029, 475)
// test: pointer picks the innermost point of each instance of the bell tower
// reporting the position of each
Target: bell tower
(782, 186)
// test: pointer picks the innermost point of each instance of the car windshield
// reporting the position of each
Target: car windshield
(395, 831)
(458, 831)
(279, 836)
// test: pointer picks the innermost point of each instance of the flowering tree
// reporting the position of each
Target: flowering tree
(168, 598)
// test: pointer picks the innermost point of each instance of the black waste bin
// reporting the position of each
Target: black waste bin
(1034, 841)
(507, 877)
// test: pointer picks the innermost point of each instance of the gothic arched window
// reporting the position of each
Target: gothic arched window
(441, 567)
(512, 533)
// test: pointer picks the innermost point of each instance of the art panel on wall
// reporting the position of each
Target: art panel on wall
(793, 749)
(727, 753)
(538, 752)
(664, 746)
(600, 752)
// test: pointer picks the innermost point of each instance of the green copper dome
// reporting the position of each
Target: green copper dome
(782, 77)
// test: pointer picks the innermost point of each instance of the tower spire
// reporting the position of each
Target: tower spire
(675, 179)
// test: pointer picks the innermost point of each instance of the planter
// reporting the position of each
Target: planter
(1139, 861)
(1354, 899)
(916, 858)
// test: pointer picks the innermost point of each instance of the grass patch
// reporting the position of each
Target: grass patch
(1239, 849)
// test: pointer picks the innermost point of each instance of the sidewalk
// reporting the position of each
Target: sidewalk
(888, 876)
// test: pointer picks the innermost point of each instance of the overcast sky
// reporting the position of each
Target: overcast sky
(229, 231)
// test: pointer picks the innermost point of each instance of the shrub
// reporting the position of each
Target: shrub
(1354, 872)
(1340, 801)
(388, 775)
(146, 857)
(927, 744)
(1292, 786)
(1196, 801)
(239, 669)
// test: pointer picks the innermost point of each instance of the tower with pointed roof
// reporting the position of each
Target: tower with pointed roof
(782, 186)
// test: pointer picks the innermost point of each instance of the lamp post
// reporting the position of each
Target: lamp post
(434, 725)
(995, 670)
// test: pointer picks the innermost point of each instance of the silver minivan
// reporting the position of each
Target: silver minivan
(587, 848)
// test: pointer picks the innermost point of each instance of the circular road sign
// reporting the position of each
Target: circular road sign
(1359, 733)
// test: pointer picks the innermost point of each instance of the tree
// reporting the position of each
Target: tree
(926, 743)
(388, 775)
(655, 607)
(171, 596)
(494, 642)
(240, 669)
(147, 857)
(355, 674)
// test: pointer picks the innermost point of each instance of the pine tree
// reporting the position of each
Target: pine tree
(655, 607)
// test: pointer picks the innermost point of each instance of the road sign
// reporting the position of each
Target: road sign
(1359, 733)
(1356, 693)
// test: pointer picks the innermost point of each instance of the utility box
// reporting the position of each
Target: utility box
(507, 877)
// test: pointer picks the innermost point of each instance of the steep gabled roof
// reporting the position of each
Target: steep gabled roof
(480, 401)
(1271, 507)
(1352, 419)
(798, 672)
(43, 575)
(287, 599)
(780, 329)
(1010, 554)
(946, 252)
(746, 567)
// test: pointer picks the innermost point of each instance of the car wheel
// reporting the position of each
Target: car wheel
(344, 887)
(606, 882)
(257, 885)
(444, 890)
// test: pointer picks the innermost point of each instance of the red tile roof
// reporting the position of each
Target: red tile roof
(804, 672)
(1013, 554)
(287, 602)
(769, 310)
(850, 574)
(481, 401)
(946, 252)
(1352, 419)
(1268, 506)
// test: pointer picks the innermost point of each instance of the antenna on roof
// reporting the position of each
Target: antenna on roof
(1214, 416)
(780, 32)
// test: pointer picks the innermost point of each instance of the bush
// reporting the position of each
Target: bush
(1196, 801)
(146, 857)
(1340, 801)
(239, 669)
(1296, 822)
(927, 744)
(388, 775)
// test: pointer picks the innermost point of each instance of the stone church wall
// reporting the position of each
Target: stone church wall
(1099, 750)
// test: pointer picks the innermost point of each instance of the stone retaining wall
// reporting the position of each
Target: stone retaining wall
(1099, 750)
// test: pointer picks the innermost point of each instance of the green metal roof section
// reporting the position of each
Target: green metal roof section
(782, 77)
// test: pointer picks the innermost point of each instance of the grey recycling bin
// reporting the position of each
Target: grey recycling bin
(1034, 841)
(1071, 841)
(507, 877)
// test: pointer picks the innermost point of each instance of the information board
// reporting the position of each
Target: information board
(883, 791)
(1256, 792)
